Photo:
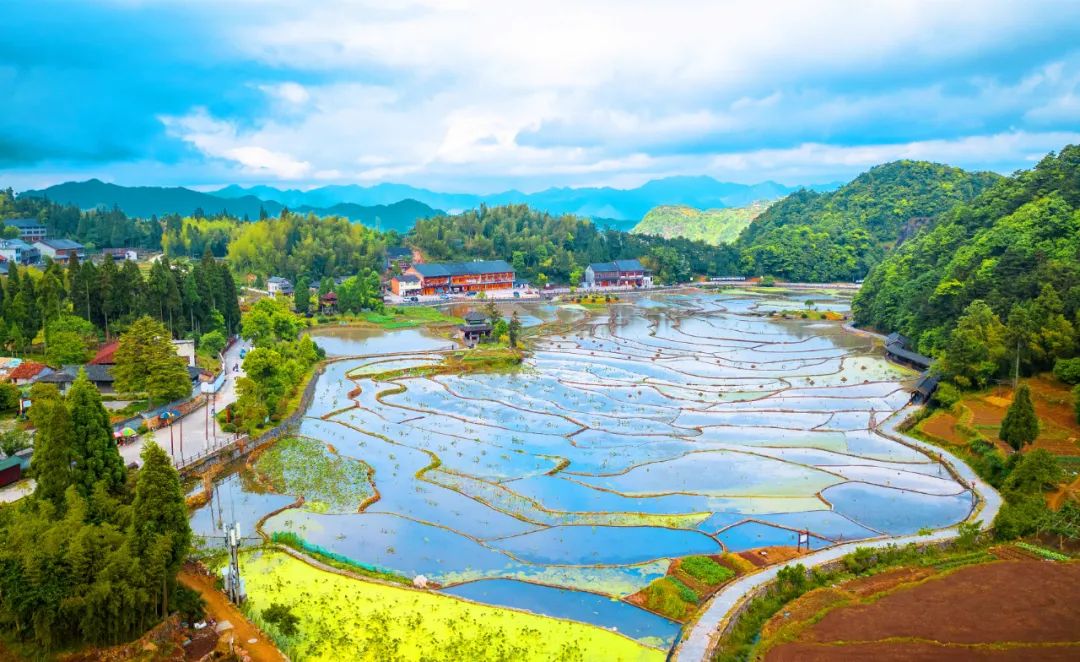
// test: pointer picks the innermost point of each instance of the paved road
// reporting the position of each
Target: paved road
(195, 433)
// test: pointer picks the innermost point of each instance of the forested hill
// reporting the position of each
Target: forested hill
(713, 226)
(1016, 247)
(543, 247)
(820, 237)
(147, 201)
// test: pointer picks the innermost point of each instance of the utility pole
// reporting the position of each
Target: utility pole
(234, 585)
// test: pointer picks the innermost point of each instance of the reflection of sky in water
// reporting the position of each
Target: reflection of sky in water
(655, 431)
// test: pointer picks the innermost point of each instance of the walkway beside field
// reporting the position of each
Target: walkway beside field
(220, 609)
(722, 607)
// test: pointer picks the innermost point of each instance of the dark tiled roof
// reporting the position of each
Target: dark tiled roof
(60, 244)
(437, 269)
(926, 384)
(23, 223)
(617, 265)
(405, 278)
(899, 351)
(475, 317)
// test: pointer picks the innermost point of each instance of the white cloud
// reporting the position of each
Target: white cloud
(597, 91)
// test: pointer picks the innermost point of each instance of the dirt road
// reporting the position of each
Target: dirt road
(220, 609)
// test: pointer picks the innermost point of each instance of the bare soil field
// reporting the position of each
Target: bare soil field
(1005, 610)
(1059, 431)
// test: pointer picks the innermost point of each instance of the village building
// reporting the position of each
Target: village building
(18, 251)
(12, 469)
(60, 250)
(278, 285)
(475, 328)
(121, 253)
(27, 372)
(618, 273)
(454, 277)
(399, 256)
(30, 229)
(896, 348)
(328, 304)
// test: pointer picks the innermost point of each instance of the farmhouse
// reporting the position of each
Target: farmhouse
(279, 285)
(18, 251)
(328, 304)
(29, 228)
(60, 250)
(624, 273)
(449, 277)
(896, 348)
(398, 255)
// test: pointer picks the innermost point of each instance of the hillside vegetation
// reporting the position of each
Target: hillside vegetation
(1009, 257)
(713, 226)
(545, 248)
(820, 237)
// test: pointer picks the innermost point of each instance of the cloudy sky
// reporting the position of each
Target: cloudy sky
(480, 96)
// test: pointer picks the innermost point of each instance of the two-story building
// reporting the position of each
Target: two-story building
(453, 277)
(18, 251)
(30, 230)
(621, 273)
(60, 250)
(279, 285)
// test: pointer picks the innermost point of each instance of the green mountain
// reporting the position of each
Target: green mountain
(821, 237)
(1016, 247)
(713, 226)
(147, 201)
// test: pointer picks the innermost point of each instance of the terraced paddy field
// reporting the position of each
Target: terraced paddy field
(688, 425)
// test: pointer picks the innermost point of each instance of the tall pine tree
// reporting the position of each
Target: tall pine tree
(160, 534)
(54, 443)
(1020, 426)
(96, 455)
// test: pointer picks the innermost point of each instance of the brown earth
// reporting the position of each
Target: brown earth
(766, 556)
(219, 608)
(1005, 610)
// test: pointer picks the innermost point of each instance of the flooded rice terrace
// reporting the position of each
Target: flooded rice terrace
(670, 426)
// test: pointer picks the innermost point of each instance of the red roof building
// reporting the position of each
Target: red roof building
(26, 372)
(105, 355)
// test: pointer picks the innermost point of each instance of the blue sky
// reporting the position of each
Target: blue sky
(487, 95)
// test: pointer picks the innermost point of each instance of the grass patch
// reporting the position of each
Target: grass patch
(403, 317)
(306, 467)
(346, 619)
(704, 569)
(670, 597)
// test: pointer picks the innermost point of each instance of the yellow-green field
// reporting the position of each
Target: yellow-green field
(347, 619)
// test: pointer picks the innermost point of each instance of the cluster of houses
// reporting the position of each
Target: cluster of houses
(33, 244)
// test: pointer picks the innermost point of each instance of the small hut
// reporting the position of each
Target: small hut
(475, 328)
(328, 304)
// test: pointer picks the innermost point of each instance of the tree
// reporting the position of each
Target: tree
(270, 321)
(976, 347)
(212, 342)
(302, 297)
(1076, 402)
(1035, 473)
(282, 618)
(492, 312)
(13, 441)
(146, 361)
(159, 520)
(53, 444)
(1020, 426)
(94, 449)
(9, 397)
(69, 339)
(514, 329)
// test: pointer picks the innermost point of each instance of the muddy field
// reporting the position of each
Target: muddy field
(1009, 610)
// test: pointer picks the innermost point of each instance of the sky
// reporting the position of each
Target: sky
(481, 96)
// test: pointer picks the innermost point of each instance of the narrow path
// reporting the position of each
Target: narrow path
(699, 640)
(220, 609)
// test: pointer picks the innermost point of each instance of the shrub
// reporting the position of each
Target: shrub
(13, 441)
(281, 617)
(212, 342)
(670, 597)
(1076, 402)
(188, 603)
(1068, 370)
(1019, 517)
(946, 395)
(9, 397)
(1020, 426)
(705, 569)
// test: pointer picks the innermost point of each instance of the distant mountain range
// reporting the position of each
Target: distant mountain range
(398, 206)
(146, 201)
(610, 204)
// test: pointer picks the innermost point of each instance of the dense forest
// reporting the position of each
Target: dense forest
(545, 248)
(822, 237)
(989, 277)
(713, 226)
